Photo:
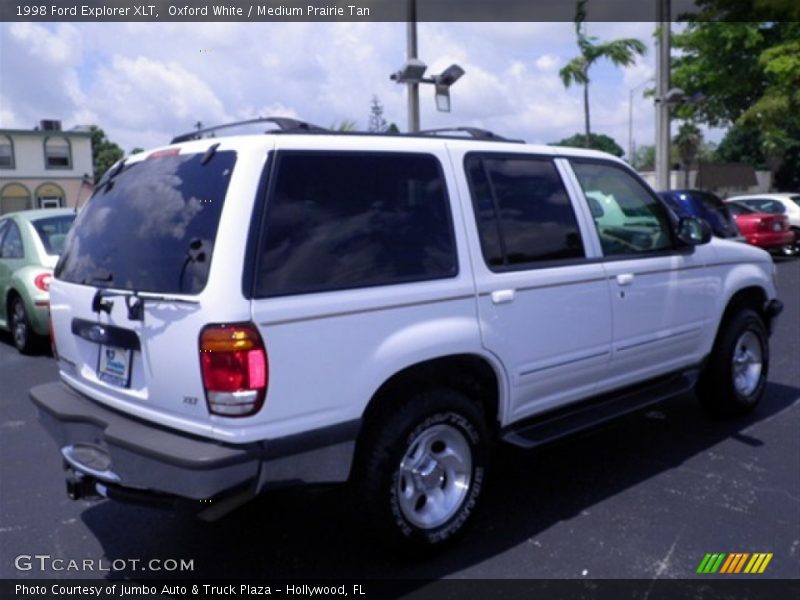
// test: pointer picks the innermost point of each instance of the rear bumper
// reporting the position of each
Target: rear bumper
(123, 453)
(770, 239)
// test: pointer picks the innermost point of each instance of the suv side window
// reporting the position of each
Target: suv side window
(342, 220)
(628, 218)
(523, 212)
(12, 244)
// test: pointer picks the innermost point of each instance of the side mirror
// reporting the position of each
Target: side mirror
(693, 231)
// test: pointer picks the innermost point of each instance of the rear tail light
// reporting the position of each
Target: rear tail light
(770, 224)
(42, 281)
(235, 369)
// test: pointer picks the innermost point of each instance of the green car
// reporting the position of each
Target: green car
(30, 244)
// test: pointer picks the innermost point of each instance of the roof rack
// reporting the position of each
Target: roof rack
(474, 132)
(285, 125)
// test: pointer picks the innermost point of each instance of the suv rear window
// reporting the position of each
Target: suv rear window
(152, 227)
(344, 220)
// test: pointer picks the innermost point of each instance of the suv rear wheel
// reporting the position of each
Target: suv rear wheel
(424, 469)
(736, 375)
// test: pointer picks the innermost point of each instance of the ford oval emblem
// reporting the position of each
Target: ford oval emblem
(97, 333)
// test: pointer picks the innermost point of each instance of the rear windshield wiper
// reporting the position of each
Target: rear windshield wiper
(134, 301)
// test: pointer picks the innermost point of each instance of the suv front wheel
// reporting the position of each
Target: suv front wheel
(736, 375)
(424, 469)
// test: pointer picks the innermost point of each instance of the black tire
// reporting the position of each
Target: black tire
(729, 390)
(795, 246)
(25, 340)
(419, 431)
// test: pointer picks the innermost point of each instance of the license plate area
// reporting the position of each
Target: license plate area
(114, 365)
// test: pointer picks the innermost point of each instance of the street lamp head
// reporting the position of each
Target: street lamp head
(675, 96)
(411, 72)
(449, 76)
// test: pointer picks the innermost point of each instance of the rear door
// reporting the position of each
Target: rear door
(150, 229)
(543, 300)
(357, 274)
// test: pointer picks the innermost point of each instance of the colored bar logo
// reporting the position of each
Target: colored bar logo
(737, 562)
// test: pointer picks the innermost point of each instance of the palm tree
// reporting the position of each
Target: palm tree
(688, 142)
(344, 126)
(620, 52)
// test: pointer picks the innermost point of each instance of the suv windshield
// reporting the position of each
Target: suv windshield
(53, 232)
(151, 227)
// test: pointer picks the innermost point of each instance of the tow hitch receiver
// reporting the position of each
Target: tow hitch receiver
(80, 487)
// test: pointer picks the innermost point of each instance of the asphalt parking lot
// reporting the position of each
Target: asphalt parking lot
(645, 497)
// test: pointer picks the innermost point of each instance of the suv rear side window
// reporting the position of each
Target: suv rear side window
(152, 227)
(523, 211)
(348, 220)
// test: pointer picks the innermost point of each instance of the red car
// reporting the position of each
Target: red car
(765, 230)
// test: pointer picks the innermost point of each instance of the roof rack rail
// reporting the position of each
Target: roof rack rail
(285, 125)
(475, 132)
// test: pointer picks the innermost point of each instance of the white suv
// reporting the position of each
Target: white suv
(232, 314)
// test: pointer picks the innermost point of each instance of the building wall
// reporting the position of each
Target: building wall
(30, 170)
(29, 155)
(678, 182)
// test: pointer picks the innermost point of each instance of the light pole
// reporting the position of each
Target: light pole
(412, 73)
(631, 146)
(411, 55)
(662, 89)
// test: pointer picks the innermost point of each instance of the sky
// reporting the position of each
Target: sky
(143, 83)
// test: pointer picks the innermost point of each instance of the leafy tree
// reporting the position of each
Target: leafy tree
(644, 158)
(137, 150)
(742, 143)
(104, 152)
(749, 73)
(377, 123)
(621, 52)
(597, 141)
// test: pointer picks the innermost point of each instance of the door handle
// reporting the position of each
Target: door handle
(503, 296)
(625, 278)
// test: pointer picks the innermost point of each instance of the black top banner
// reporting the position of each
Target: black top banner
(391, 10)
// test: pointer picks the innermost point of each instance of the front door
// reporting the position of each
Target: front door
(660, 293)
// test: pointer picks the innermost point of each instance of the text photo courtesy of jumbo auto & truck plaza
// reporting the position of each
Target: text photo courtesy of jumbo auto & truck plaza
(395, 299)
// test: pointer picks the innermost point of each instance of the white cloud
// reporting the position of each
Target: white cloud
(143, 83)
(547, 62)
(148, 93)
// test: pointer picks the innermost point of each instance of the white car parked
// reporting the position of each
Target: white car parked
(235, 313)
(782, 204)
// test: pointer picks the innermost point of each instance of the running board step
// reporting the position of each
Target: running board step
(551, 426)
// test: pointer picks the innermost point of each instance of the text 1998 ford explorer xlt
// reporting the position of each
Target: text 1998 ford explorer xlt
(235, 313)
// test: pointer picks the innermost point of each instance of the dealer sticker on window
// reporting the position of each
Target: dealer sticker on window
(114, 365)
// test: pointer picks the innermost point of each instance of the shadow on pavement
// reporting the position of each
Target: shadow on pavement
(314, 533)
